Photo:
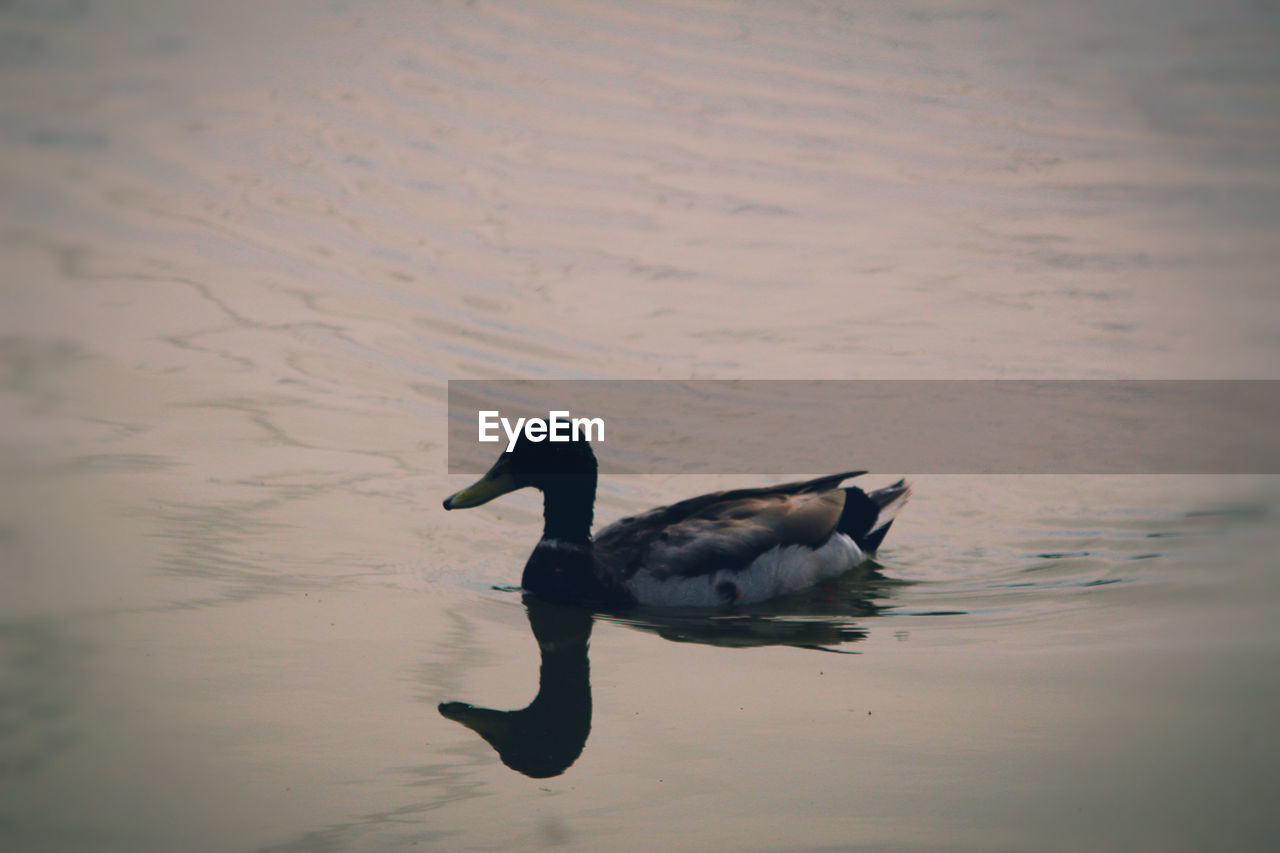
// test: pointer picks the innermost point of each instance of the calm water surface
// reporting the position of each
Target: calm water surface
(245, 245)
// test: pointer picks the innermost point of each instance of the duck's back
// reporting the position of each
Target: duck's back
(737, 547)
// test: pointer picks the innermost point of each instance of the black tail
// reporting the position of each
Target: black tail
(867, 517)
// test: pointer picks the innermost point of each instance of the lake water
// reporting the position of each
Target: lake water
(244, 247)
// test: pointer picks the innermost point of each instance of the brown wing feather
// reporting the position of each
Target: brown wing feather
(722, 530)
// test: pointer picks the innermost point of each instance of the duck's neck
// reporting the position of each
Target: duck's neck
(562, 568)
(567, 507)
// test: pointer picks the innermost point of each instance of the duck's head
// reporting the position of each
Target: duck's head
(547, 466)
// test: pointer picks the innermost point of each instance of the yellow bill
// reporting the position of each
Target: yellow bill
(498, 481)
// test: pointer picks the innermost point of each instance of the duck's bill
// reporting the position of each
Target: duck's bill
(497, 482)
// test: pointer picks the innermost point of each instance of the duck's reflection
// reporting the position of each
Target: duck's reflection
(546, 737)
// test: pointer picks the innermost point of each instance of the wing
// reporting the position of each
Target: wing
(723, 530)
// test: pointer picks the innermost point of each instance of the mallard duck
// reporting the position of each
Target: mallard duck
(736, 547)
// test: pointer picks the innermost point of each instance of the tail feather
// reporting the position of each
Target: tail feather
(867, 516)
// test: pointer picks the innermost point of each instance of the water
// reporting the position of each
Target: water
(245, 245)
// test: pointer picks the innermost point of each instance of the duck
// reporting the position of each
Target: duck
(722, 549)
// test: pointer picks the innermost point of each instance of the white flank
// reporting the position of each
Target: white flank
(779, 571)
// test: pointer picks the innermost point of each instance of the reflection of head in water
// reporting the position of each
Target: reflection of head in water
(545, 738)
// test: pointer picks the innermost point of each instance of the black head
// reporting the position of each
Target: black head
(533, 461)
(545, 465)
